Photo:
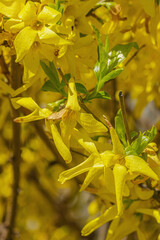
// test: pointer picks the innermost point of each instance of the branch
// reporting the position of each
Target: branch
(124, 115)
(134, 55)
(6, 232)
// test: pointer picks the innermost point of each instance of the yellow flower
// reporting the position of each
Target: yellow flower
(35, 40)
(37, 112)
(124, 167)
(69, 117)
(11, 8)
(75, 15)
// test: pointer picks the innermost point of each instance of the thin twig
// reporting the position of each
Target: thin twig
(122, 105)
(134, 55)
(4, 68)
(8, 229)
(62, 75)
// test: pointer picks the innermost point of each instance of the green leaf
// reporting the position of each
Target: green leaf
(108, 5)
(112, 75)
(133, 134)
(102, 54)
(55, 106)
(101, 65)
(143, 140)
(129, 151)
(48, 86)
(50, 72)
(67, 76)
(97, 70)
(120, 128)
(53, 84)
(151, 133)
(54, 70)
(57, 5)
(101, 94)
(81, 88)
(119, 53)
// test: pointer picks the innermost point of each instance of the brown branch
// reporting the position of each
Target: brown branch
(62, 76)
(6, 232)
(134, 55)
(4, 67)
(124, 115)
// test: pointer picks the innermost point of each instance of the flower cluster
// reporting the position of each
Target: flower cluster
(68, 51)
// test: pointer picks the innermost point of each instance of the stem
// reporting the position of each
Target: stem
(134, 55)
(62, 75)
(124, 115)
(4, 67)
(7, 233)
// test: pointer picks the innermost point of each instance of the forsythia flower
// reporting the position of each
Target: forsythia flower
(35, 40)
(69, 117)
(125, 167)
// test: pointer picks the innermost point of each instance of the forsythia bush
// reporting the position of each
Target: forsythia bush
(68, 63)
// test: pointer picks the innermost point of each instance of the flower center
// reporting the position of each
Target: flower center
(37, 25)
(56, 52)
(35, 45)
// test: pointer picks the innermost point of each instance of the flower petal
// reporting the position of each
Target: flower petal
(107, 216)
(90, 124)
(138, 165)
(28, 103)
(24, 41)
(112, 228)
(13, 25)
(120, 173)
(67, 125)
(50, 37)
(107, 157)
(61, 147)
(77, 170)
(49, 15)
(85, 141)
(11, 8)
(72, 102)
(28, 13)
(34, 116)
(140, 234)
(86, 7)
(127, 226)
(95, 171)
(31, 63)
(143, 193)
(117, 145)
(151, 212)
